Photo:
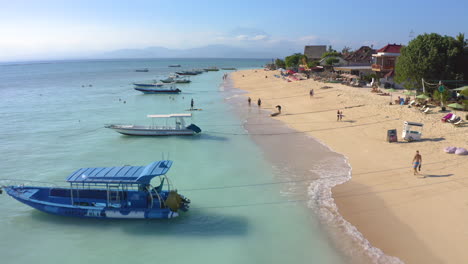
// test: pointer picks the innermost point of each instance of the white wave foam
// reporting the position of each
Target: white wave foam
(334, 171)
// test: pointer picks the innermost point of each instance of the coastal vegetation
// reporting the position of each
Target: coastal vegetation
(294, 60)
(432, 57)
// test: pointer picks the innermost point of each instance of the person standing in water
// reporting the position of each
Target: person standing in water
(191, 104)
(259, 102)
(249, 100)
(417, 160)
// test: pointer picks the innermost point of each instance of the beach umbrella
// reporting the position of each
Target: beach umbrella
(456, 106)
(422, 96)
(461, 88)
(391, 90)
(409, 93)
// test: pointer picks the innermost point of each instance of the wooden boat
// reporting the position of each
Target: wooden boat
(229, 69)
(163, 129)
(142, 70)
(149, 90)
(107, 192)
(211, 69)
(174, 65)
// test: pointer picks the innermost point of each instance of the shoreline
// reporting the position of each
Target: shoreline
(272, 135)
(387, 205)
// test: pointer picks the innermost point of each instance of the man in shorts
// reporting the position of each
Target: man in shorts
(417, 160)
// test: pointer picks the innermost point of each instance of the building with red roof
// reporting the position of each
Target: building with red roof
(385, 60)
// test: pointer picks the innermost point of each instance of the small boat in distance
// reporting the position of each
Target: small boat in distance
(228, 69)
(161, 90)
(107, 192)
(142, 70)
(178, 129)
(174, 65)
(175, 79)
(211, 69)
(187, 73)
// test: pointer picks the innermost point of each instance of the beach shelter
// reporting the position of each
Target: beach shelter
(456, 106)
(422, 96)
(461, 88)
(408, 92)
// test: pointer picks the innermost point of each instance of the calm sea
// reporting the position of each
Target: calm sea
(52, 117)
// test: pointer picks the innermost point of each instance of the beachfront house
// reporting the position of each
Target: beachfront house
(314, 52)
(360, 57)
(384, 62)
(358, 62)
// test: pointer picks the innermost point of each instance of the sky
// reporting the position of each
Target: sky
(54, 29)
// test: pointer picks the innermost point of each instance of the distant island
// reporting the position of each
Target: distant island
(210, 51)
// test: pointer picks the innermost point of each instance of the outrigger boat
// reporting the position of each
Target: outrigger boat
(174, 65)
(170, 90)
(187, 73)
(229, 69)
(179, 129)
(142, 70)
(112, 192)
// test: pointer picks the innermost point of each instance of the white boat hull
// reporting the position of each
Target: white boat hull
(147, 131)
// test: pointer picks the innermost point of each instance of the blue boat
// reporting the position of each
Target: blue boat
(111, 192)
(158, 90)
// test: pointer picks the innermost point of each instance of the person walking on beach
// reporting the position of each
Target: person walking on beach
(279, 108)
(259, 102)
(311, 93)
(191, 104)
(338, 115)
(249, 100)
(417, 160)
(341, 115)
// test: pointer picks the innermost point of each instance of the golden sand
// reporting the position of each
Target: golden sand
(419, 219)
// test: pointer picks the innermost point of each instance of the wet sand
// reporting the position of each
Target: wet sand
(419, 219)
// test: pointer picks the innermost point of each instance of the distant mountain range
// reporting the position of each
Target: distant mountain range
(210, 51)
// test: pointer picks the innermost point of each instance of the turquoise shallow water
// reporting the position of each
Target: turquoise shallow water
(53, 125)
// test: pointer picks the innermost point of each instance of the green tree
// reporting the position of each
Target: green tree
(280, 63)
(332, 60)
(294, 60)
(331, 53)
(441, 96)
(428, 56)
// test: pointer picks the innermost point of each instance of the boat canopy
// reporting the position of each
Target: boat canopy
(170, 115)
(124, 174)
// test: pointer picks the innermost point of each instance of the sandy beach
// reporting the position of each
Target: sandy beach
(419, 219)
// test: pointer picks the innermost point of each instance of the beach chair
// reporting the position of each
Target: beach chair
(459, 123)
(427, 111)
(412, 103)
(446, 117)
(453, 119)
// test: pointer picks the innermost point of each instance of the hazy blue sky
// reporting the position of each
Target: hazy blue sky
(41, 29)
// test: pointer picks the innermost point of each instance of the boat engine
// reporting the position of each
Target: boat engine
(194, 128)
(176, 201)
